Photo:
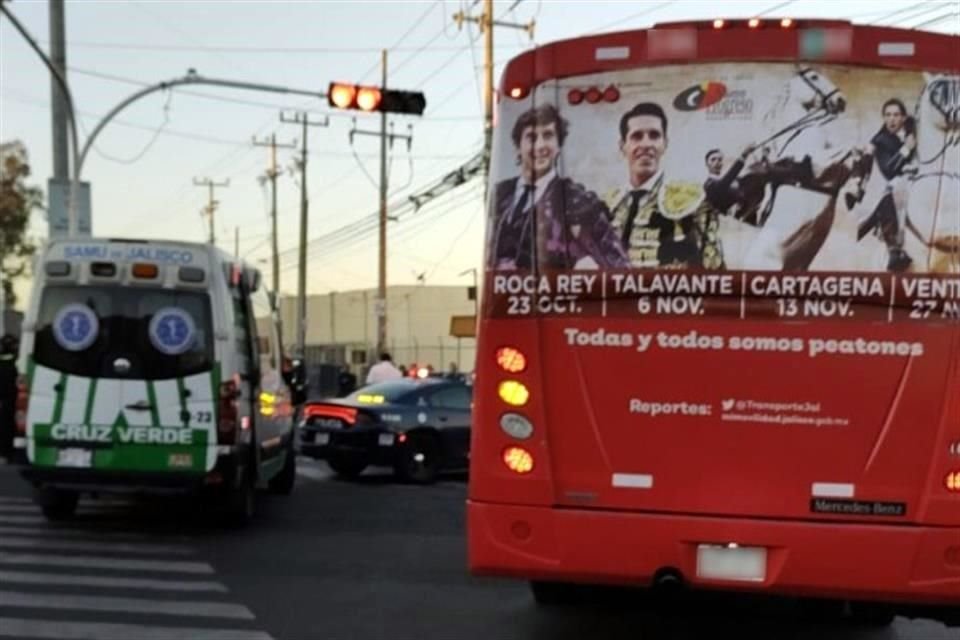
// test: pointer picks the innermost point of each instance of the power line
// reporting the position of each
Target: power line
(253, 50)
(929, 23)
(639, 14)
(399, 41)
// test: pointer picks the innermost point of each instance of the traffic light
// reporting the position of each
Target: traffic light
(351, 96)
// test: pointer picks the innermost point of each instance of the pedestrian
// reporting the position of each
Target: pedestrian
(346, 382)
(383, 370)
(8, 394)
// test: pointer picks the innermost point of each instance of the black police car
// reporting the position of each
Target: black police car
(417, 426)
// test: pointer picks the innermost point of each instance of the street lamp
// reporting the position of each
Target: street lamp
(75, 168)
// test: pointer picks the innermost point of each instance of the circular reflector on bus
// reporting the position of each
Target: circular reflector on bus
(518, 460)
(575, 96)
(593, 95)
(172, 331)
(511, 360)
(75, 327)
(516, 426)
(513, 393)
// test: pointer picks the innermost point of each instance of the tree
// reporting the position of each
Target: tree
(18, 200)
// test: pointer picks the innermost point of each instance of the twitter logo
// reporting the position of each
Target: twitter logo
(727, 404)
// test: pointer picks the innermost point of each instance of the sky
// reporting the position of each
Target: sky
(145, 163)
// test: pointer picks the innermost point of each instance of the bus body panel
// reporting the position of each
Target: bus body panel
(810, 405)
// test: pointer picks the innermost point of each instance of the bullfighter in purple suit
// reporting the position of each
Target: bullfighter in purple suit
(542, 219)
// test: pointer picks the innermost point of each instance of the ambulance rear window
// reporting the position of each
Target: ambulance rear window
(115, 332)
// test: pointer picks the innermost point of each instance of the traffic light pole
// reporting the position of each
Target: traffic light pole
(382, 274)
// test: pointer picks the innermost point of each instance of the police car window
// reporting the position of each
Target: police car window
(114, 332)
(457, 398)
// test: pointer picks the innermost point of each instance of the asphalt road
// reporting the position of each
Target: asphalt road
(371, 559)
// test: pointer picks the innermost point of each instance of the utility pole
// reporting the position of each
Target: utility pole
(58, 56)
(211, 202)
(385, 139)
(236, 242)
(303, 119)
(272, 174)
(486, 22)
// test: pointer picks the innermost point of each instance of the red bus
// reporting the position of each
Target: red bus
(720, 332)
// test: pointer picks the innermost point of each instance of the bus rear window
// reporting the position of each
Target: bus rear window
(114, 332)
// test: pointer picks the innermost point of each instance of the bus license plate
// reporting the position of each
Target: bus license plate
(321, 438)
(78, 458)
(745, 564)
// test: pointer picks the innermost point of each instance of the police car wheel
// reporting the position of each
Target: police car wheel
(347, 466)
(58, 504)
(419, 460)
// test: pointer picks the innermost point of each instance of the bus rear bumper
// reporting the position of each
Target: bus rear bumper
(895, 564)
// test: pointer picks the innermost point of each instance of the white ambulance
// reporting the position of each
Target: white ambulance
(151, 367)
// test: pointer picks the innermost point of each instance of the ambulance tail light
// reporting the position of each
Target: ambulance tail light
(20, 409)
(228, 419)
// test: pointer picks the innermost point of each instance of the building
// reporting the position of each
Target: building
(342, 327)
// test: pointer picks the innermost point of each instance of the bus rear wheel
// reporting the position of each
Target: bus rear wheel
(553, 594)
(872, 614)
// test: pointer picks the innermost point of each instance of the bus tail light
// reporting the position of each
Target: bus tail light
(228, 414)
(23, 401)
(514, 393)
(786, 23)
(511, 360)
(753, 23)
(518, 460)
(516, 426)
(518, 92)
(952, 481)
(718, 23)
(611, 94)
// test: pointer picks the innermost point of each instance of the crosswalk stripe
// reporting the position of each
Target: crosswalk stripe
(71, 630)
(15, 500)
(108, 563)
(22, 519)
(201, 609)
(25, 577)
(17, 508)
(7, 542)
(85, 534)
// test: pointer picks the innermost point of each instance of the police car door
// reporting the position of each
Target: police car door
(451, 410)
(271, 399)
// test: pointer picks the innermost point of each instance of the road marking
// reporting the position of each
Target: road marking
(85, 534)
(7, 542)
(25, 577)
(108, 563)
(23, 520)
(71, 630)
(200, 609)
(15, 500)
